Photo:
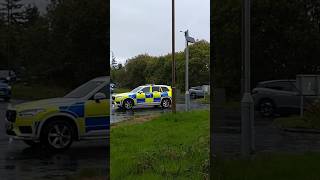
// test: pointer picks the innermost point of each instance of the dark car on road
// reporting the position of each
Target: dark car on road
(278, 97)
(5, 91)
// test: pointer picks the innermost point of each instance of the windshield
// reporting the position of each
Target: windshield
(84, 89)
(136, 89)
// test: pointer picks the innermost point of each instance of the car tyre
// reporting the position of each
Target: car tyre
(6, 99)
(57, 135)
(127, 104)
(193, 95)
(165, 103)
(267, 108)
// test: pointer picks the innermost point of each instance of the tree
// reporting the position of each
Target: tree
(11, 11)
(146, 69)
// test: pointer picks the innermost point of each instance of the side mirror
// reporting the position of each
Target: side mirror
(99, 96)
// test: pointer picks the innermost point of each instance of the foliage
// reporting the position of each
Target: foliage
(65, 45)
(145, 69)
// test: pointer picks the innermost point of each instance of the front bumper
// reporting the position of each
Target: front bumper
(116, 102)
(15, 132)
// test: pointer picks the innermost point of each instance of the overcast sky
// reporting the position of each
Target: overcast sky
(144, 26)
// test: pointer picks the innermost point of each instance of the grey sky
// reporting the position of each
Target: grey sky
(144, 26)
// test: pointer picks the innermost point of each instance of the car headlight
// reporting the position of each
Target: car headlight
(30, 112)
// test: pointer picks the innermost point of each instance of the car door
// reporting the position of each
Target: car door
(149, 95)
(156, 92)
(285, 94)
(141, 95)
(97, 114)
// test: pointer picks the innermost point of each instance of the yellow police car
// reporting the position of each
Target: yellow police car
(55, 123)
(150, 95)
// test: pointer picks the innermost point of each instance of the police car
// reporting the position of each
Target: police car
(150, 95)
(56, 123)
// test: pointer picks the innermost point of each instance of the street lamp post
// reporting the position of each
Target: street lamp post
(187, 94)
(247, 106)
(173, 60)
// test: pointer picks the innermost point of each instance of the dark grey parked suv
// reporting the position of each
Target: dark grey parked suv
(278, 97)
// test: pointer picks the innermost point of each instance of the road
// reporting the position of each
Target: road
(18, 161)
(268, 138)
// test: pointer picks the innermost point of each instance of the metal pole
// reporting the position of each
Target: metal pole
(173, 60)
(187, 95)
(247, 107)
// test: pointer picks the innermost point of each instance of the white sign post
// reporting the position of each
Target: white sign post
(308, 85)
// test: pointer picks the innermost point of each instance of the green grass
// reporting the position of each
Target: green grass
(34, 92)
(279, 166)
(296, 122)
(167, 147)
(205, 100)
(121, 90)
(310, 119)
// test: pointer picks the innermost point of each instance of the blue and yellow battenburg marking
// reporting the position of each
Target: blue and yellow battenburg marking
(149, 97)
(92, 121)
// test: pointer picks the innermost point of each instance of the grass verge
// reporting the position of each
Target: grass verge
(279, 166)
(171, 146)
(34, 92)
(205, 100)
(296, 122)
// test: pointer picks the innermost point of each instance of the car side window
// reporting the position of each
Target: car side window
(146, 90)
(105, 90)
(156, 88)
(164, 89)
(282, 86)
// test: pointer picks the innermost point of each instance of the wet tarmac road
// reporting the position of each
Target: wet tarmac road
(267, 137)
(19, 161)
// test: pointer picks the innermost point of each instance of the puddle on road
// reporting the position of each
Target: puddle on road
(18, 160)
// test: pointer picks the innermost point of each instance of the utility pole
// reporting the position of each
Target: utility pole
(247, 105)
(173, 60)
(9, 35)
(187, 94)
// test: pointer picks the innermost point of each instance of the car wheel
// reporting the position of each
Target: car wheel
(6, 99)
(31, 143)
(266, 108)
(57, 135)
(193, 95)
(128, 104)
(165, 103)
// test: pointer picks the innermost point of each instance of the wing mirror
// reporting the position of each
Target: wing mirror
(99, 96)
